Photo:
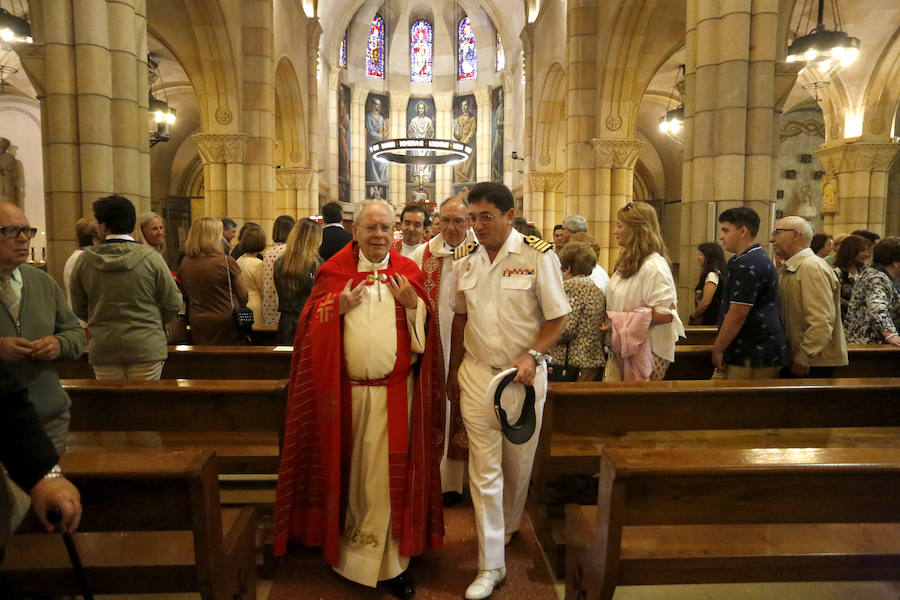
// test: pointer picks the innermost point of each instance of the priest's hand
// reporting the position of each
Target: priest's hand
(403, 291)
(350, 298)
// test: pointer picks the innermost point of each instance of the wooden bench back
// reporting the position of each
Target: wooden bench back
(177, 405)
(206, 362)
(699, 335)
(726, 486)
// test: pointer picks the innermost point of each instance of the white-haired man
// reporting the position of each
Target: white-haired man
(360, 471)
(809, 303)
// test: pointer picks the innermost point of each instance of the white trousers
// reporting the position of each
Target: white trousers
(453, 472)
(499, 471)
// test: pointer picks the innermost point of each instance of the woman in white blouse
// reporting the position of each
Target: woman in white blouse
(253, 241)
(642, 278)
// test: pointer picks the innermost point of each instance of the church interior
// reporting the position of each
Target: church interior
(251, 109)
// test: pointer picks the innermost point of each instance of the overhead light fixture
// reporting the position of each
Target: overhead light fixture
(14, 29)
(672, 122)
(825, 51)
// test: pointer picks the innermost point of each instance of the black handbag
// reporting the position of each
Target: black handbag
(243, 316)
(564, 372)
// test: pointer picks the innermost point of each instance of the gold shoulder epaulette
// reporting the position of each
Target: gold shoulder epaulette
(466, 250)
(537, 243)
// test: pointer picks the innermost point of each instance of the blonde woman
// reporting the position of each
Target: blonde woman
(204, 274)
(642, 278)
(295, 272)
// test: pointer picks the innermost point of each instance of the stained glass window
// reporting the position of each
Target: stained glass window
(421, 51)
(342, 55)
(375, 49)
(501, 57)
(467, 57)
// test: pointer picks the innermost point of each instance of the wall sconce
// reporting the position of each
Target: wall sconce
(779, 194)
(806, 158)
(791, 174)
(818, 174)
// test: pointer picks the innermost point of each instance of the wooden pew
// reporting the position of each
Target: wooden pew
(151, 524)
(727, 516)
(865, 360)
(206, 362)
(241, 420)
(699, 335)
(582, 419)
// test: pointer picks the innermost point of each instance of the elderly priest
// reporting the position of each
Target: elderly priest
(359, 471)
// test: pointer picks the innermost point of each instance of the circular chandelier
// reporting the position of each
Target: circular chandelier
(420, 151)
(823, 50)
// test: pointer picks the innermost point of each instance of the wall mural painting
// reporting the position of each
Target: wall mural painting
(497, 135)
(376, 192)
(378, 106)
(343, 135)
(465, 126)
(420, 124)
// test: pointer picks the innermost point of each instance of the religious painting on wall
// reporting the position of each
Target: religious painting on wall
(376, 192)
(377, 130)
(465, 126)
(421, 194)
(462, 190)
(343, 135)
(497, 135)
(420, 124)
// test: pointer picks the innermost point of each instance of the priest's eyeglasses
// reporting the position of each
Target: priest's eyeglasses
(11, 232)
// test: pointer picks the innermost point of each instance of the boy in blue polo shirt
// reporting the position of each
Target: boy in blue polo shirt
(751, 340)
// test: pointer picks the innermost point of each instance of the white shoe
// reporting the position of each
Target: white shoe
(485, 584)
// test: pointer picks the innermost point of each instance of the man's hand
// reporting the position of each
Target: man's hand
(403, 291)
(57, 492)
(46, 348)
(453, 386)
(350, 298)
(799, 370)
(526, 366)
(718, 358)
(14, 349)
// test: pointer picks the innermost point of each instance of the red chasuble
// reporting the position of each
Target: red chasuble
(313, 478)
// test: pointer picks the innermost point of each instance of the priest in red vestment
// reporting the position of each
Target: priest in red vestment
(359, 471)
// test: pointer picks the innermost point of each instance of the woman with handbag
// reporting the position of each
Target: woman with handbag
(215, 289)
(578, 355)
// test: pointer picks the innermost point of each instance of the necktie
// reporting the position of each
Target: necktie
(9, 298)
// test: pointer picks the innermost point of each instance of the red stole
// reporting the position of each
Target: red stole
(433, 267)
(310, 501)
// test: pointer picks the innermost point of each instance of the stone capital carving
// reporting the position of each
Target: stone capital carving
(443, 101)
(546, 181)
(527, 37)
(221, 147)
(293, 178)
(358, 95)
(858, 156)
(616, 154)
(483, 97)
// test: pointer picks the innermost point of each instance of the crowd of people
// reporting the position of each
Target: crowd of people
(404, 344)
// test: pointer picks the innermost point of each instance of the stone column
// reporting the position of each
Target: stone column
(483, 134)
(857, 181)
(357, 144)
(443, 107)
(88, 67)
(544, 203)
(257, 200)
(527, 37)
(334, 84)
(313, 35)
(223, 158)
(293, 184)
(583, 183)
(729, 143)
(613, 189)
(397, 173)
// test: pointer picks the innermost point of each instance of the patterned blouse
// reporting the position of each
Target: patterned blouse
(874, 307)
(269, 294)
(582, 332)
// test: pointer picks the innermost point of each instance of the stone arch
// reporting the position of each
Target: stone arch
(883, 90)
(550, 122)
(290, 118)
(198, 33)
(642, 184)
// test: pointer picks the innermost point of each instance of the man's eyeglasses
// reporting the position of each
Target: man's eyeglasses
(777, 229)
(11, 232)
(484, 217)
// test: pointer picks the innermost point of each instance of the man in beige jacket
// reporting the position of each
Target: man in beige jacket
(809, 303)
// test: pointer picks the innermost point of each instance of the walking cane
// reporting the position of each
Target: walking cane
(54, 516)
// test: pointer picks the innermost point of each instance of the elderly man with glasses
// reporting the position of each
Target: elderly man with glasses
(36, 327)
(809, 302)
